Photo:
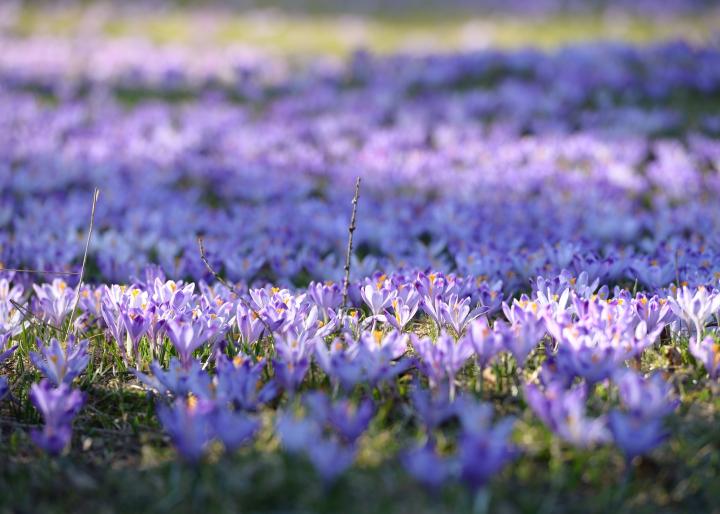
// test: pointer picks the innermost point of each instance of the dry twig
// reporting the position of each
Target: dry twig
(348, 253)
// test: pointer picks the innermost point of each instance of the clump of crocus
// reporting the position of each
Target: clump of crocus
(193, 423)
(239, 381)
(312, 437)
(54, 301)
(442, 359)
(427, 466)
(484, 448)
(639, 428)
(562, 410)
(58, 406)
(707, 351)
(695, 308)
(61, 364)
(188, 334)
(456, 312)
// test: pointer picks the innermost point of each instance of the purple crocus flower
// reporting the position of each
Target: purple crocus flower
(178, 380)
(563, 411)
(326, 296)
(484, 448)
(457, 313)
(695, 308)
(187, 335)
(290, 374)
(297, 434)
(443, 358)
(54, 300)
(240, 382)
(250, 325)
(189, 423)
(648, 401)
(58, 364)
(58, 406)
(650, 397)
(484, 341)
(234, 429)
(402, 312)
(707, 351)
(4, 387)
(350, 420)
(522, 337)
(432, 407)
(7, 353)
(636, 435)
(136, 322)
(426, 466)
(377, 298)
(330, 458)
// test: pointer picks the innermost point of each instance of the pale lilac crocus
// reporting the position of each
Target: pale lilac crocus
(187, 335)
(707, 351)
(563, 412)
(58, 406)
(442, 359)
(695, 308)
(457, 313)
(402, 312)
(61, 364)
(54, 301)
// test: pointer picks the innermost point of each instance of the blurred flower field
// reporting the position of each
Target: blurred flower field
(372, 258)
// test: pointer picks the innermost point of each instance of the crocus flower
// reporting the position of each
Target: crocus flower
(326, 296)
(695, 309)
(4, 387)
(7, 353)
(240, 381)
(330, 458)
(177, 380)
(484, 448)
(234, 429)
(58, 364)
(249, 325)
(443, 358)
(522, 337)
(650, 397)
(707, 351)
(137, 322)
(295, 433)
(426, 466)
(563, 411)
(350, 420)
(484, 341)
(290, 374)
(457, 313)
(187, 335)
(54, 300)
(58, 406)
(189, 422)
(402, 312)
(377, 298)
(636, 435)
(394, 343)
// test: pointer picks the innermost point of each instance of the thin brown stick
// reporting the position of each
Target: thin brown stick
(96, 194)
(231, 287)
(348, 252)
